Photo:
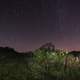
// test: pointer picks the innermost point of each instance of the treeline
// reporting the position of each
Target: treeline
(8, 54)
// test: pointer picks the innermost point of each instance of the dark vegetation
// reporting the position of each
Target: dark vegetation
(45, 63)
(10, 55)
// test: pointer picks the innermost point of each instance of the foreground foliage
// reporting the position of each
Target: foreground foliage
(44, 65)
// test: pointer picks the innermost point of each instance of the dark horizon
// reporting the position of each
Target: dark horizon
(27, 24)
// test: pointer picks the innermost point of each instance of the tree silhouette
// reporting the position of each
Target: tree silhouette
(48, 47)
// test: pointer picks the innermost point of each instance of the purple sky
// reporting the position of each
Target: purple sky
(27, 24)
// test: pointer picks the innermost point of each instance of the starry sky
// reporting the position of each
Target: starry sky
(27, 24)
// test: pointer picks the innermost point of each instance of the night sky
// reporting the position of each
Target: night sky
(27, 24)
